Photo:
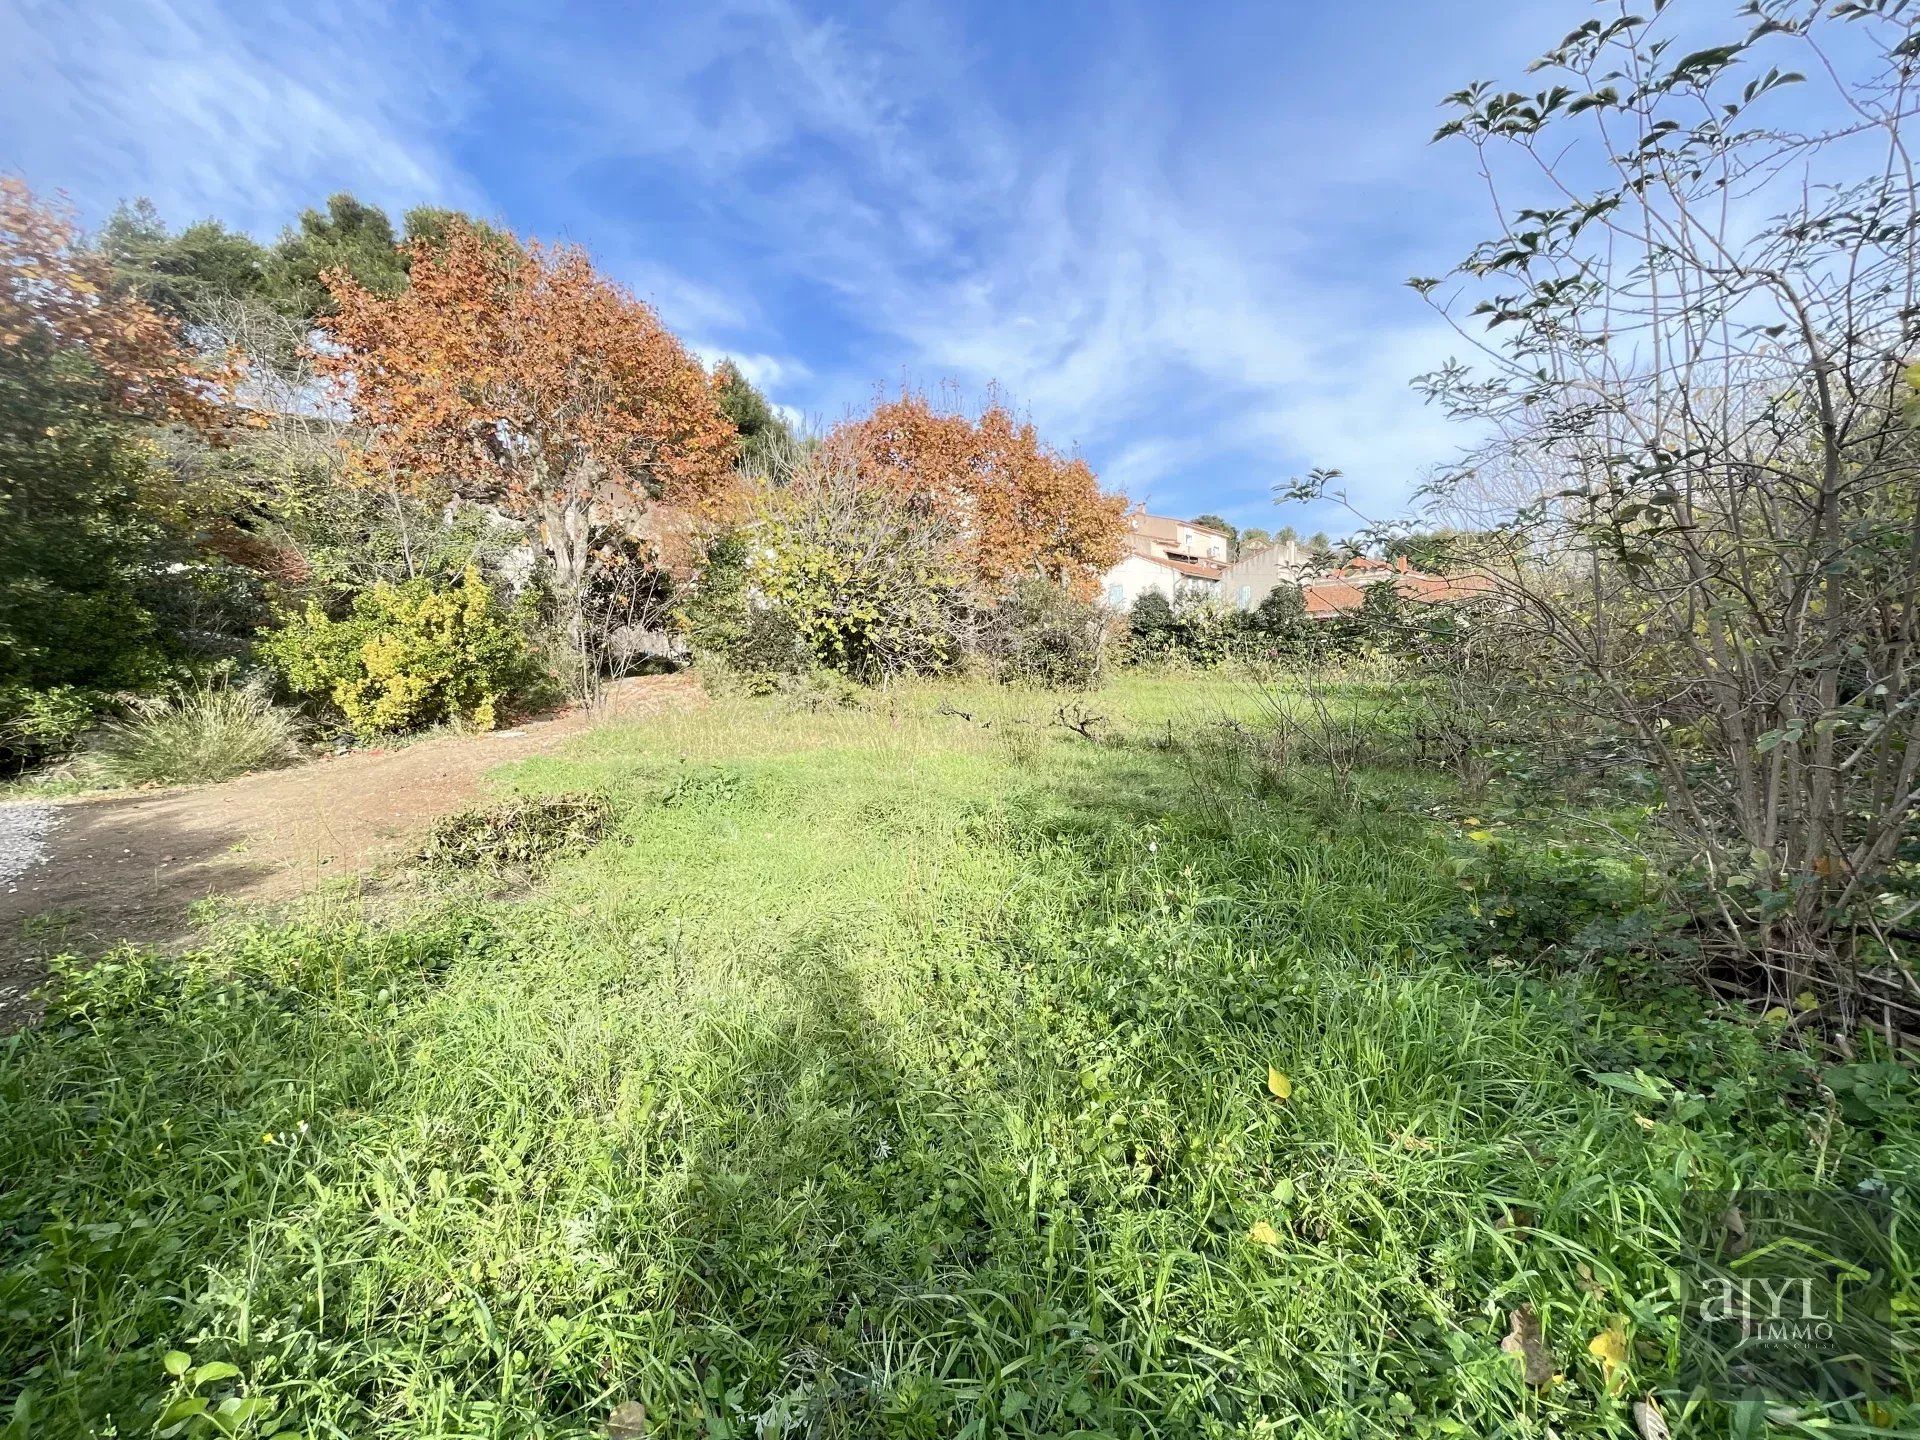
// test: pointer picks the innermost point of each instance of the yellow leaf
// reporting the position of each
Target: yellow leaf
(1777, 1015)
(1805, 1001)
(1610, 1347)
(1643, 1122)
(1480, 837)
(1263, 1234)
(1279, 1084)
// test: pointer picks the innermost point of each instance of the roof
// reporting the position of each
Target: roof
(1335, 595)
(1198, 569)
(1166, 527)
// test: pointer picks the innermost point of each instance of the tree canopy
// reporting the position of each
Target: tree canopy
(1025, 508)
(526, 379)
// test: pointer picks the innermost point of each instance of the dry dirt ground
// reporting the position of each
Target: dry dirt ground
(132, 867)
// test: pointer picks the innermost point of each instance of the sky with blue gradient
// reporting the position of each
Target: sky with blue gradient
(1177, 234)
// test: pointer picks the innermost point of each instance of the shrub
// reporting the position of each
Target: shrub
(1199, 629)
(410, 655)
(207, 734)
(1280, 627)
(1043, 635)
(864, 580)
(1150, 627)
(36, 724)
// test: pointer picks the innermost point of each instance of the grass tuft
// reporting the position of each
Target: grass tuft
(203, 735)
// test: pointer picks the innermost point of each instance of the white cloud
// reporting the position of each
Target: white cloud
(249, 116)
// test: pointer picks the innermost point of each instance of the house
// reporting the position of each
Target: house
(1247, 581)
(1175, 557)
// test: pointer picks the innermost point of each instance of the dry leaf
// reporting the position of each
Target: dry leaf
(1263, 1234)
(1523, 1339)
(628, 1421)
(1413, 1142)
(1643, 1122)
(1648, 1420)
(1279, 1084)
(1610, 1347)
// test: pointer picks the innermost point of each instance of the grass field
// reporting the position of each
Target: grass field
(888, 1073)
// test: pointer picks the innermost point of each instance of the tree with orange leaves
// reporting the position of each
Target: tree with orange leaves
(57, 304)
(1024, 508)
(522, 378)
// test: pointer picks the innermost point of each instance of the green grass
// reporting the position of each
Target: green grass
(885, 1073)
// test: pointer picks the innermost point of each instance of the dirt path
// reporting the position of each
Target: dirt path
(131, 867)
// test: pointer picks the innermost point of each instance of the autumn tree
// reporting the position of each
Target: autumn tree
(522, 379)
(77, 360)
(1024, 508)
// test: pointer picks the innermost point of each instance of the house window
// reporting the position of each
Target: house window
(1116, 594)
(1246, 597)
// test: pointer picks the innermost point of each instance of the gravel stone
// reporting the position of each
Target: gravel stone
(23, 839)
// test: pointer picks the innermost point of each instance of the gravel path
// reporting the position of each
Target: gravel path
(23, 839)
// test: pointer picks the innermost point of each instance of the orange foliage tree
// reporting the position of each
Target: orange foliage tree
(57, 300)
(521, 377)
(1024, 508)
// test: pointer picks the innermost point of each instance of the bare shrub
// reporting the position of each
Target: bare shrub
(1698, 483)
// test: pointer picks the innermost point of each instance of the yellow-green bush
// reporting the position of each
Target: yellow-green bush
(410, 655)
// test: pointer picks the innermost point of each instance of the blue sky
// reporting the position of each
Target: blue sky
(1176, 233)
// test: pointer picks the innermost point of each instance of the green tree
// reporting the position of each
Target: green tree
(1225, 527)
(431, 224)
(1254, 538)
(764, 436)
(1151, 626)
(180, 274)
(348, 235)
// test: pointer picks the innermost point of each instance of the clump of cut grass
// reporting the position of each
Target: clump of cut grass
(519, 835)
(213, 732)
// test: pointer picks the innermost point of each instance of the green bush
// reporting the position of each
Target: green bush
(411, 655)
(1042, 635)
(1197, 629)
(212, 733)
(36, 724)
(838, 573)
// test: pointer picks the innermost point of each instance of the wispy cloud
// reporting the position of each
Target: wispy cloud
(1177, 244)
(245, 114)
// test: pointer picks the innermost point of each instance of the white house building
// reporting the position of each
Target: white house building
(1175, 557)
(1248, 580)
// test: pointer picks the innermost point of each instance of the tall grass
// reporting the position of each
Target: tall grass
(213, 732)
(885, 1073)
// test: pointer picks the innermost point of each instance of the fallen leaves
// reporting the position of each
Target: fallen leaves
(1277, 1083)
(1648, 1420)
(1263, 1234)
(1525, 1342)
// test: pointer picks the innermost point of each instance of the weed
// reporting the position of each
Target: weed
(893, 1082)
